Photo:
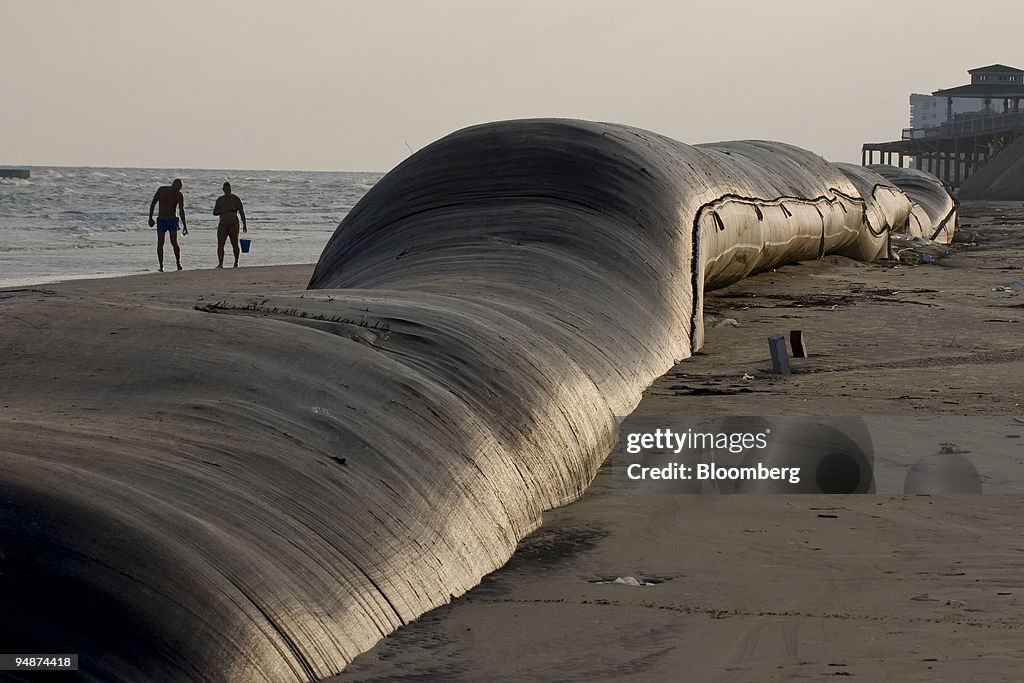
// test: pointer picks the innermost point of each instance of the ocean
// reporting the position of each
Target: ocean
(69, 223)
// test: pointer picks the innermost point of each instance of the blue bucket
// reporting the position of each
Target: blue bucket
(244, 243)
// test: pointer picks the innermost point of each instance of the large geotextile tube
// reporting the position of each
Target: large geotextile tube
(885, 205)
(933, 212)
(475, 324)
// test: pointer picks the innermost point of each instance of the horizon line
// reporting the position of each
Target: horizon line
(187, 168)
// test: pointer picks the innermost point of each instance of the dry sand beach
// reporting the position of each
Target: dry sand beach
(776, 588)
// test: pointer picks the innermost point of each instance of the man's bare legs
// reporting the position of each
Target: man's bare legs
(222, 238)
(177, 249)
(160, 248)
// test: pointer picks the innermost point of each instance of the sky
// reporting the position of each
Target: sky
(359, 85)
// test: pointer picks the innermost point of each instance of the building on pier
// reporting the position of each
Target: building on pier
(955, 131)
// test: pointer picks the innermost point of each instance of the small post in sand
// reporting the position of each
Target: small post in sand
(796, 339)
(780, 359)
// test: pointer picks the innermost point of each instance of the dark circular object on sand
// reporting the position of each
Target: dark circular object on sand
(838, 472)
(834, 454)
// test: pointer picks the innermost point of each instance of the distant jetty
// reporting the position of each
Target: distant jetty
(14, 173)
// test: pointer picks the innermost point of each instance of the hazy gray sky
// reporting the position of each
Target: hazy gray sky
(354, 84)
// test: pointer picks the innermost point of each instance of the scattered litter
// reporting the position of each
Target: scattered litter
(626, 581)
(731, 322)
(629, 581)
(910, 249)
(747, 377)
(949, 447)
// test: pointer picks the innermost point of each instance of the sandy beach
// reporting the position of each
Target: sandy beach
(743, 588)
(778, 588)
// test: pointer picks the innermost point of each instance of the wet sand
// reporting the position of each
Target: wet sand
(773, 588)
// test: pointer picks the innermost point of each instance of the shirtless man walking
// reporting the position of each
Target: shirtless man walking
(228, 207)
(170, 200)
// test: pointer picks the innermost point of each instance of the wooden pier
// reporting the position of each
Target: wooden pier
(952, 151)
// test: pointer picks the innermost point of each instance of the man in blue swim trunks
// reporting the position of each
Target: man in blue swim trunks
(171, 201)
